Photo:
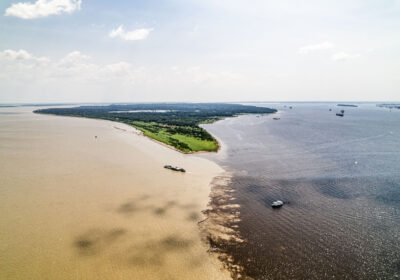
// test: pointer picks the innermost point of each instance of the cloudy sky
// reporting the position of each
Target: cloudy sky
(199, 50)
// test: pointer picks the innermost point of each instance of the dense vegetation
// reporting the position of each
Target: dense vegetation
(176, 124)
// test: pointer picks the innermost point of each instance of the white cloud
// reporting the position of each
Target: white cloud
(316, 47)
(72, 59)
(121, 68)
(77, 76)
(42, 8)
(134, 35)
(21, 55)
(342, 56)
(75, 65)
(199, 76)
(79, 65)
(16, 55)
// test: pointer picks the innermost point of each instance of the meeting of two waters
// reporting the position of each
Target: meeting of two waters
(339, 178)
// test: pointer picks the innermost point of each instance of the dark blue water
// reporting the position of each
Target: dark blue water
(340, 179)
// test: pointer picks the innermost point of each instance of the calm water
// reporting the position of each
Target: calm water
(340, 179)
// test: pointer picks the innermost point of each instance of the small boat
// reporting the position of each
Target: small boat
(277, 204)
(174, 168)
(341, 114)
(276, 119)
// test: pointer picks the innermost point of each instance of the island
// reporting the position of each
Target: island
(174, 124)
(347, 105)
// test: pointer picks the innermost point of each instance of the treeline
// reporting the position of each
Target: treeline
(176, 114)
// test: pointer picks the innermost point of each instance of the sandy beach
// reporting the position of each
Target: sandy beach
(73, 206)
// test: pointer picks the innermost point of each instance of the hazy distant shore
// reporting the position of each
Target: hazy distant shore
(99, 207)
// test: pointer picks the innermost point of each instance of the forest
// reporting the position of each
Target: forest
(175, 124)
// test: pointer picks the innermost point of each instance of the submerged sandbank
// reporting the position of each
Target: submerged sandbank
(74, 206)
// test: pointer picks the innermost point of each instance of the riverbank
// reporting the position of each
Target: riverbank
(84, 200)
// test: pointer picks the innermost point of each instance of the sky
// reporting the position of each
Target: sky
(199, 50)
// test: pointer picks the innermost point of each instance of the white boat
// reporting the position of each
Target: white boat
(277, 204)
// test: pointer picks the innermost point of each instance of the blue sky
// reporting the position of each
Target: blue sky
(176, 50)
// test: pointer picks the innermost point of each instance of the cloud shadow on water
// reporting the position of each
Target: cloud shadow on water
(94, 241)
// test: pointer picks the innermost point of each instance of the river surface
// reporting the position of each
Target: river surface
(339, 179)
(90, 199)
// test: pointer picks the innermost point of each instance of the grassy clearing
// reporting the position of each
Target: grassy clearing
(171, 136)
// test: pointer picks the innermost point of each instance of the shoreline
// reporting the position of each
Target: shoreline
(142, 134)
(199, 125)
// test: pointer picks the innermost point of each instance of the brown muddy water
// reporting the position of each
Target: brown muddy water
(73, 206)
(339, 179)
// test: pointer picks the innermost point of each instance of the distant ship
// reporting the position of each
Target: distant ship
(174, 168)
(276, 119)
(341, 114)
